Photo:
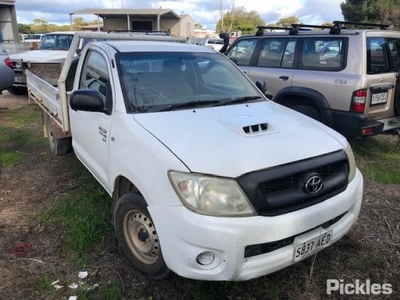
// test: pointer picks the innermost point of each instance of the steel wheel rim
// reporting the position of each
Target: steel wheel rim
(141, 237)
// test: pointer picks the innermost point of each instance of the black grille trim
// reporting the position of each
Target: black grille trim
(281, 189)
(258, 249)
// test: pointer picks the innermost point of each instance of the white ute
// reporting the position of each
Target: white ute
(209, 178)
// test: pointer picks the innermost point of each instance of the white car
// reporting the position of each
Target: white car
(53, 47)
(212, 43)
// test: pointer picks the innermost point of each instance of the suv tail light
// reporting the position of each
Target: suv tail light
(358, 101)
(8, 62)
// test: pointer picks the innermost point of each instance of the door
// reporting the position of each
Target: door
(275, 63)
(91, 130)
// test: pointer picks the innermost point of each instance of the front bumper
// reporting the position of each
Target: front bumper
(184, 235)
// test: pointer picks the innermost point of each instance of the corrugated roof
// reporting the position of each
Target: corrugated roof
(118, 12)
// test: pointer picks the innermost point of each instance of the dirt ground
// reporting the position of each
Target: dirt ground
(33, 184)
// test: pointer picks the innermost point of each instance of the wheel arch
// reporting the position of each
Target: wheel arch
(122, 186)
(290, 96)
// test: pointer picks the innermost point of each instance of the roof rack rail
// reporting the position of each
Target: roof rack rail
(261, 29)
(297, 27)
(144, 32)
(339, 25)
(293, 29)
(334, 29)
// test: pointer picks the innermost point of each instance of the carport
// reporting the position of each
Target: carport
(135, 19)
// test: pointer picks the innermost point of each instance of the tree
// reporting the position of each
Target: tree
(371, 11)
(287, 22)
(239, 20)
(24, 28)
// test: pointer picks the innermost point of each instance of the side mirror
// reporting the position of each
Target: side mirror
(262, 86)
(234, 60)
(87, 100)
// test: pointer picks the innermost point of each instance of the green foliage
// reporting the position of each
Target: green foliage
(372, 11)
(239, 20)
(18, 134)
(42, 26)
(286, 22)
(10, 158)
(24, 28)
(110, 291)
(379, 159)
(84, 218)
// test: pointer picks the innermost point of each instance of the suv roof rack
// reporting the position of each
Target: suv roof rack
(144, 32)
(339, 25)
(334, 29)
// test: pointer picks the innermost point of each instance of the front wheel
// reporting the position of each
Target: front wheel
(138, 237)
(308, 110)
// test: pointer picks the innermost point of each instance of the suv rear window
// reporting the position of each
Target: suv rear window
(378, 58)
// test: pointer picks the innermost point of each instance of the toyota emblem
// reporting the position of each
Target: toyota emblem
(313, 184)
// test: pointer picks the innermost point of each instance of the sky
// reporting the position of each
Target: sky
(204, 12)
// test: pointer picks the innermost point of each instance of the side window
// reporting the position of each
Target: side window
(95, 76)
(377, 56)
(394, 48)
(323, 53)
(277, 52)
(242, 51)
(271, 53)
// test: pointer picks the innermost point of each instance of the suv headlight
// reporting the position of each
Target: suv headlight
(211, 195)
(352, 162)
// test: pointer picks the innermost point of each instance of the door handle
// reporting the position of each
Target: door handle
(284, 78)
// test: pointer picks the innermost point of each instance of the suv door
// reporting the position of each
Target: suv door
(274, 63)
(242, 52)
(319, 65)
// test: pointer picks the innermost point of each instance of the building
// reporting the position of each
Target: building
(141, 20)
(8, 22)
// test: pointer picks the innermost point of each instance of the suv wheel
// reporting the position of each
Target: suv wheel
(308, 111)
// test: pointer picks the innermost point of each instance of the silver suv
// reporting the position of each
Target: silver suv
(345, 78)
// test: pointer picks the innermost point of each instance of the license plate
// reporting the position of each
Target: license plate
(378, 98)
(311, 246)
(19, 79)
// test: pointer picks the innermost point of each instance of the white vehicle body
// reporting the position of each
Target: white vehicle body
(53, 48)
(224, 147)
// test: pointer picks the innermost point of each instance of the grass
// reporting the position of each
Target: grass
(84, 218)
(379, 158)
(20, 131)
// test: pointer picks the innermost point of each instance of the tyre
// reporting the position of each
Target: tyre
(138, 237)
(58, 146)
(16, 90)
(308, 111)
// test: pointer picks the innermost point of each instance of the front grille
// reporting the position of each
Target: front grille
(292, 181)
(258, 249)
(283, 189)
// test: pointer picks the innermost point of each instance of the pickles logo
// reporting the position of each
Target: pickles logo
(357, 288)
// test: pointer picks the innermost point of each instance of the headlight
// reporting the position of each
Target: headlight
(211, 195)
(352, 162)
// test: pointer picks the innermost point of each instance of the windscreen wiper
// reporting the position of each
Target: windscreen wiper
(237, 100)
(189, 104)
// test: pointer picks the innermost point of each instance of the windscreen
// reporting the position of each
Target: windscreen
(163, 81)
